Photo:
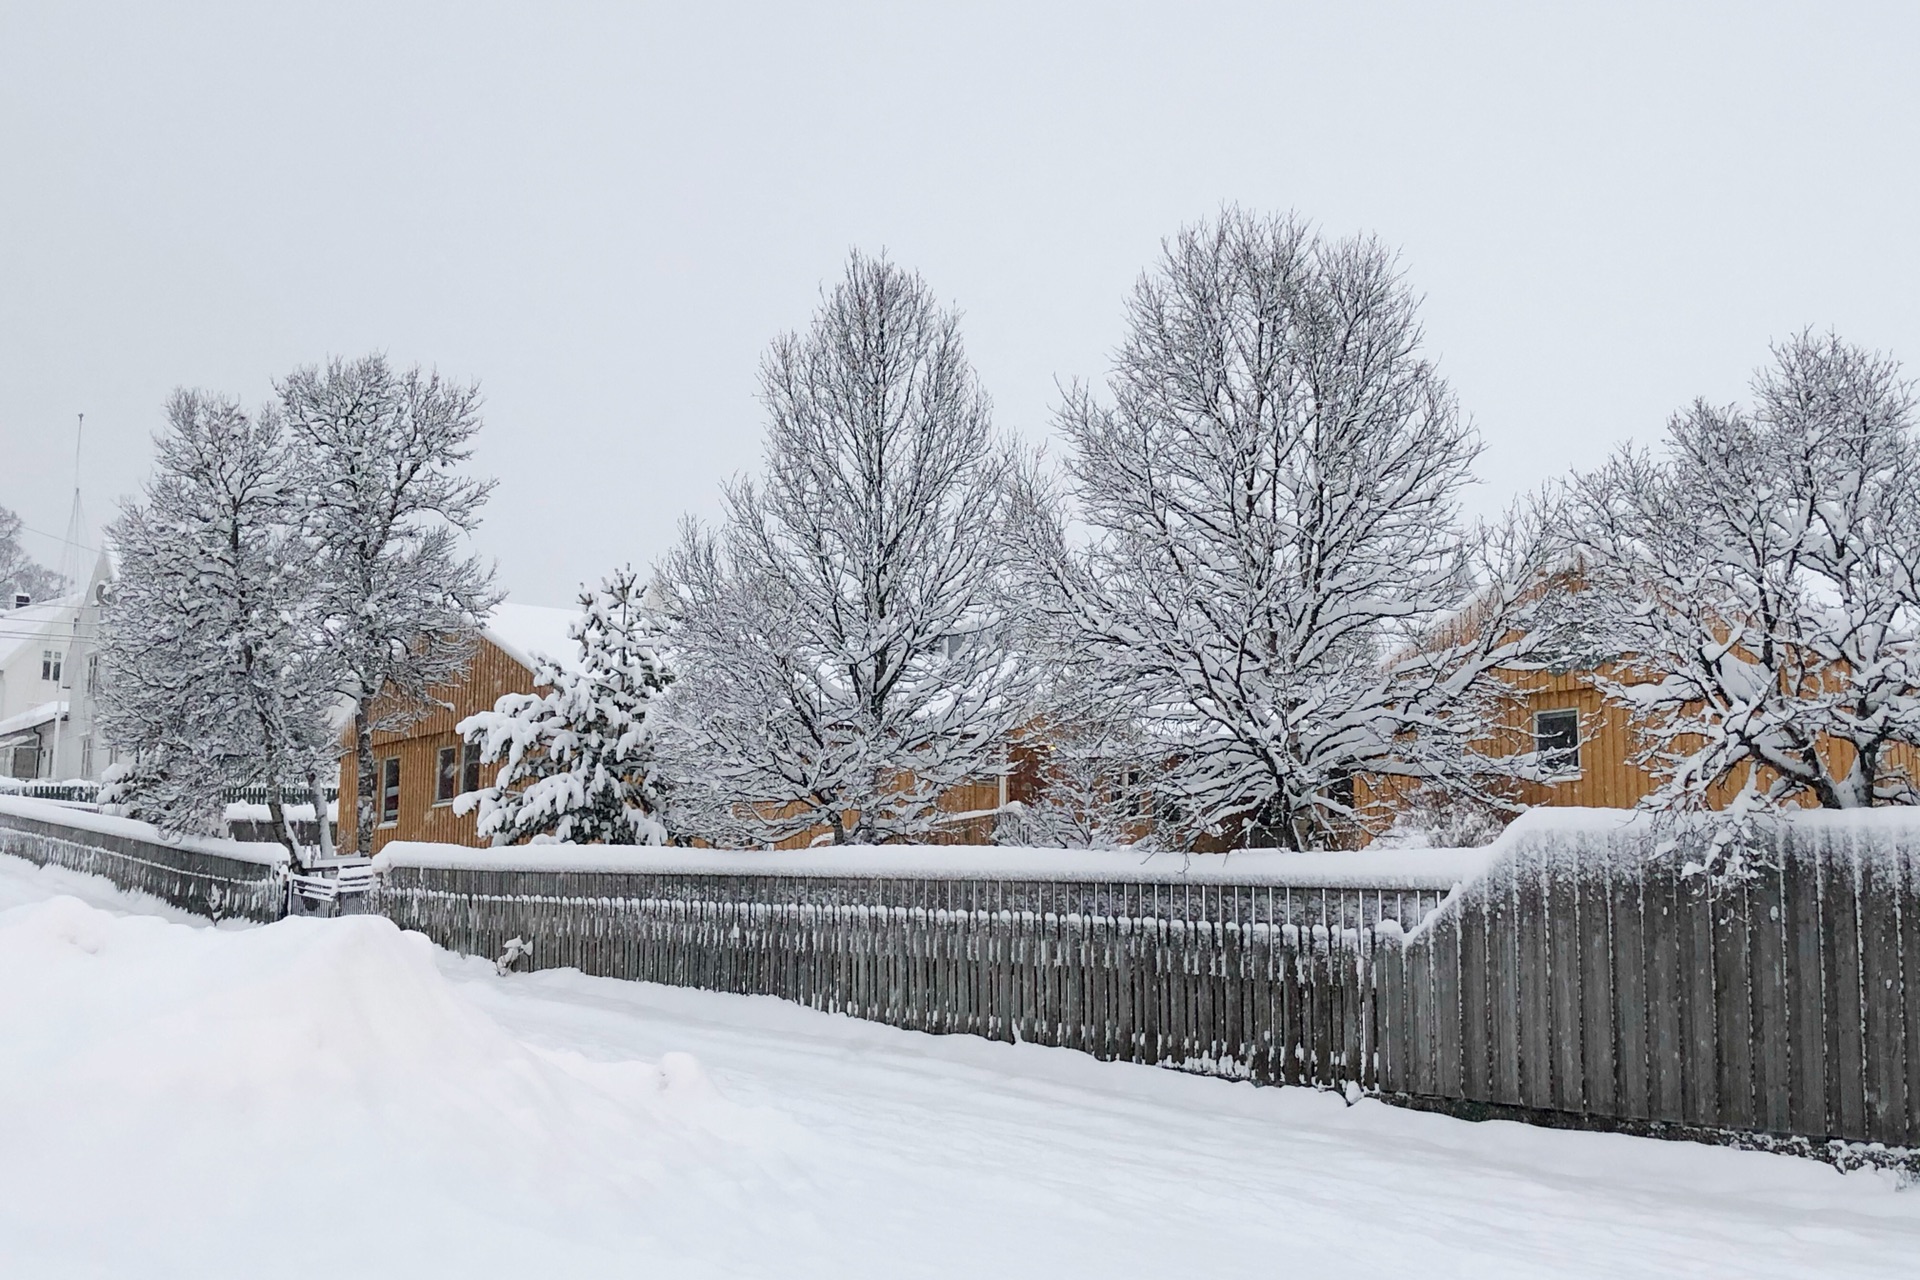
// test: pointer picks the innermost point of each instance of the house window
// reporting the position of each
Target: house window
(86, 756)
(1556, 740)
(93, 673)
(50, 665)
(470, 767)
(446, 775)
(389, 791)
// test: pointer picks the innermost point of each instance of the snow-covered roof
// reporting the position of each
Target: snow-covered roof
(32, 718)
(20, 628)
(529, 632)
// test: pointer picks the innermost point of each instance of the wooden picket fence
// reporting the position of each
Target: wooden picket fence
(1589, 976)
(1583, 976)
(188, 874)
(1262, 982)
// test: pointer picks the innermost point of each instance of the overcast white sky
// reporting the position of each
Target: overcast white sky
(604, 213)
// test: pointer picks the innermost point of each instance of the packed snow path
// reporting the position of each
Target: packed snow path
(327, 1098)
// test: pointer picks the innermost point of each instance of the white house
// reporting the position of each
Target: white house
(49, 673)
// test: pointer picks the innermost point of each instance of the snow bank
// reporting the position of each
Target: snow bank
(246, 811)
(1387, 869)
(181, 1087)
(1438, 869)
(85, 820)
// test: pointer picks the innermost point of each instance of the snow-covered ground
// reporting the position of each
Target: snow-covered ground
(335, 1098)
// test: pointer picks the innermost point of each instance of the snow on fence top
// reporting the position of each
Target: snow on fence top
(58, 814)
(1438, 869)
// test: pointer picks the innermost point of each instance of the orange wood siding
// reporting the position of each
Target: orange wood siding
(491, 674)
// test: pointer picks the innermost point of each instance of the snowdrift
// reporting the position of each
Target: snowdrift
(263, 1084)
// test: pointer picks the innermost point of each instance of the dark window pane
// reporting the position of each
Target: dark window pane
(470, 767)
(390, 789)
(446, 774)
(1556, 737)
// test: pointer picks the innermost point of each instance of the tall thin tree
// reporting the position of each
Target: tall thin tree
(840, 640)
(213, 676)
(387, 509)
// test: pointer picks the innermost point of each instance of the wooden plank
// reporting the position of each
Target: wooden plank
(1733, 1005)
(1568, 1036)
(1444, 940)
(1840, 959)
(1883, 1023)
(1769, 1030)
(1699, 1046)
(1419, 974)
(1661, 944)
(1535, 967)
(1599, 1082)
(1503, 952)
(1475, 1053)
(1389, 1019)
(1909, 864)
(1631, 1017)
(1805, 991)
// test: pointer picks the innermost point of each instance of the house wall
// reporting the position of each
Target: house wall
(493, 672)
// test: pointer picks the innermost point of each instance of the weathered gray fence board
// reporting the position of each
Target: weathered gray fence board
(1846, 1088)
(1732, 958)
(1806, 993)
(192, 879)
(1784, 1002)
(1563, 992)
(1598, 1032)
(1237, 980)
(1882, 1025)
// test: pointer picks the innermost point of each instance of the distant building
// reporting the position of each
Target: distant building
(49, 676)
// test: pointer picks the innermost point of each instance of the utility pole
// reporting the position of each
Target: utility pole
(72, 566)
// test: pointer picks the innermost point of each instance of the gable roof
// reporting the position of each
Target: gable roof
(22, 628)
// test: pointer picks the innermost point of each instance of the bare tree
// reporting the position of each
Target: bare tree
(213, 672)
(1760, 582)
(1276, 581)
(840, 640)
(19, 573)
(387, 510)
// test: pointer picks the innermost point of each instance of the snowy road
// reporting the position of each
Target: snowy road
(333, 1098)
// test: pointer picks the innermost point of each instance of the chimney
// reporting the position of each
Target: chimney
(21, 599)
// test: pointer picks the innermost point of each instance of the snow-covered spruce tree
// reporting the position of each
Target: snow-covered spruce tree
(380, 452)
(19, 573)
(579, 759)
(840, 640)
(1276, 581)
(212, 672)
(1760, 580)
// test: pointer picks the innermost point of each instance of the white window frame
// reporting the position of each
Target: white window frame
(1571, 764)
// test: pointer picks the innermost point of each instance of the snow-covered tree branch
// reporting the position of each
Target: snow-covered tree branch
(840, 640)
(213, 674)
(19, 572)
(387, 510)
(1760, 582)
(579, 759)
(1276, 582)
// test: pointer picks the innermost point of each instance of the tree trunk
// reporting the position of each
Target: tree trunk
(325, 833)
(363, 795)
(277, 810)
